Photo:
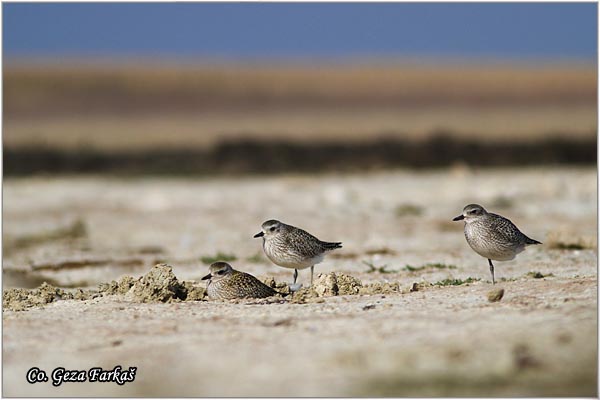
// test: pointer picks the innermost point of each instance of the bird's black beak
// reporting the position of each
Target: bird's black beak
(458, 218)
(259, 234)
(206, 277)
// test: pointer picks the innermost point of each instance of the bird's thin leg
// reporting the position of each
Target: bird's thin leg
(492, 271)
(312, 270)
(293, 286)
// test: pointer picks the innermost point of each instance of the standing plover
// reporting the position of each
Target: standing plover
(492, 236)
(291, 247)
(225, 283)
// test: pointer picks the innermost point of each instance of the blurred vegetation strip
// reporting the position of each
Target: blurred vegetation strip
(116, 89)
(272, 157)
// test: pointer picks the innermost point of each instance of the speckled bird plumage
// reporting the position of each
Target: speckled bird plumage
(492, 236)
(225, 283)
(291, 247)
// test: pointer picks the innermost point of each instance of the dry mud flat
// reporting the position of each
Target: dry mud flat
(379, 337)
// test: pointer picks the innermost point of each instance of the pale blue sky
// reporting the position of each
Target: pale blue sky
(284, 30)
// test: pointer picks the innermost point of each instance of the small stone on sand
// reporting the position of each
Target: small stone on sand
(495, 295)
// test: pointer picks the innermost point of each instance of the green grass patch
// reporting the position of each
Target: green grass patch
(256, 259)
(569, 246)
(429, 266)
(218, 257)
(538, 275)
(382, 251)
(382, 269)
(502, 202)
(406, 210)
(456, 282)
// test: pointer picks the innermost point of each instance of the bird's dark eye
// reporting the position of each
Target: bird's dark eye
(272, 228)
(221, 272)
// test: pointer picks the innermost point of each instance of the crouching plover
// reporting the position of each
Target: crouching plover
(291, 247)
(225, 283)
(492, 236)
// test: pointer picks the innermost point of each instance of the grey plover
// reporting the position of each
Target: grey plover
(492, 236)
(225, 283)
(291, 247)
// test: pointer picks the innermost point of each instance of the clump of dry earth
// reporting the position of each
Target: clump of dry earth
(160, 285)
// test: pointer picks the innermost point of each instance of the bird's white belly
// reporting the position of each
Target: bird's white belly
(297, 264)
(493, 251)
(290, 260)
(495, 255)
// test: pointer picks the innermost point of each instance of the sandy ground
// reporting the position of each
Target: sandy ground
(540, 339)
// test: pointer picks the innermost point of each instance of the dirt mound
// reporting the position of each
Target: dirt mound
(23, 299)
(193, 291)
(381, 288)
(159, 285)
(327, 285)
(336, 284)
(306, 295)
(120, 287)
(281, 287)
